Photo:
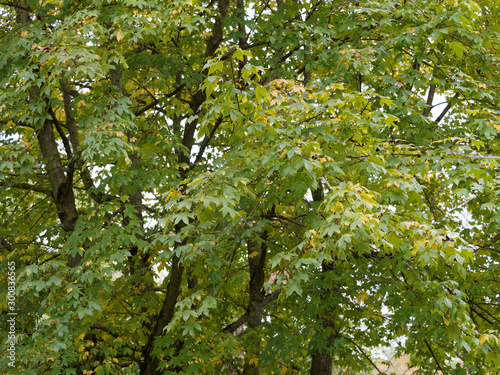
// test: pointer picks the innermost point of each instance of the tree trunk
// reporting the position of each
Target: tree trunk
(61, 183)
(322, 359)
(256, 263)
(151, 362)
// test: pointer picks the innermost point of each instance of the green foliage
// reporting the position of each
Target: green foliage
(245, 187)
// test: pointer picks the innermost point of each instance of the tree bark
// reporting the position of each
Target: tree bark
(322, 359)
(256, 263)
(61, 183)
(151, 362)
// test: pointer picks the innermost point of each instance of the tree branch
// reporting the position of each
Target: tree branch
(151, 362)
(430, 99)
(26, 186)
(206, 141)
(151, 105)
(60, 131)
(235, 325)
(103, 328)
(470, 156)
(5, 244)
(17, 6)
(362, 352)
(446, 109)
(243, 319)
(434, 356)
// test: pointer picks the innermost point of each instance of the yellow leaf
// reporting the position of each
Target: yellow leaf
(254, 361)
(119, 36)
(284, 370)
(81, 337)
(254, 254)
(483, 339)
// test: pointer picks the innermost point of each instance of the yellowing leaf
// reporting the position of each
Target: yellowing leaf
(261, 92)
(254, 361)
(80, 337)
(483, 339)
(254, 254)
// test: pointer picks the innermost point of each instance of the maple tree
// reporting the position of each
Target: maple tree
(250, 187)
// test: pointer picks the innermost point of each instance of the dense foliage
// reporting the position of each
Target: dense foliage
(250, 187)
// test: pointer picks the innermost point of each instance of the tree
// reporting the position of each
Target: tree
(250, 187)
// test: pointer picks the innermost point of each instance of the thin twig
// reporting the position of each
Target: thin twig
(433, 356)
(362, 352)
(470, 156)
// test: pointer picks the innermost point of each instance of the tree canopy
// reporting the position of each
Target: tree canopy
(250, 187)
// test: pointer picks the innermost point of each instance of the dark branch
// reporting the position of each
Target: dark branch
(430, 99)
(26, 186)
(17, 6)
(60, 131)
(434, 356)
(235, 325)
(363, 352)
(103, 328)
(5, 244)
(242, 320)
(206, 141)
(151, 105)
(447, 108)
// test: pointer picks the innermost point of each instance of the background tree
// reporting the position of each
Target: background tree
(250, 187)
